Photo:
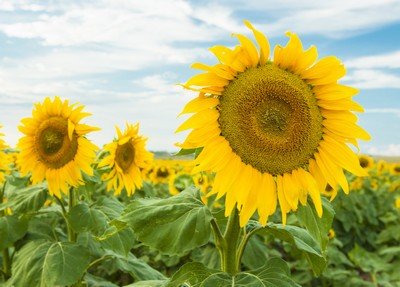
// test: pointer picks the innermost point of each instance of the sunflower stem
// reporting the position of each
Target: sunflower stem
(64, 214)
(219, 240)
(71, 203)
(228, 250)
(242, 246)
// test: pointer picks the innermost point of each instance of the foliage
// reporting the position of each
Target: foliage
(93, 238)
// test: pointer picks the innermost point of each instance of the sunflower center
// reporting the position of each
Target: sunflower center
(162, 172)
(52, 143)
(125, 155)
(271, 119)
(364, 163)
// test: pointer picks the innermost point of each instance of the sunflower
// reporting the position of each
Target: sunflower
(366, 162)
(127, 157)
(395, 169)
(162, 173)
(54, 146)
(272, 131)
(381, 167)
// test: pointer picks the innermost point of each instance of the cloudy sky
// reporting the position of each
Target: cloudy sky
(123, 58)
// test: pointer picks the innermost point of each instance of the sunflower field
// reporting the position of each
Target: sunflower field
(267, 189)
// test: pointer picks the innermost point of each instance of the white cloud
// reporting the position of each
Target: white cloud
(372, 79)
(394, 111)
(389, 150)
(333, 19)
(389, 60)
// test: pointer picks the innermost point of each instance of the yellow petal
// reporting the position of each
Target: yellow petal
(326, 71)
(199, 119)
(198, 104)
(262, 43)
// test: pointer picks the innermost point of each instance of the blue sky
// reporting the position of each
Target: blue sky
(122, 59)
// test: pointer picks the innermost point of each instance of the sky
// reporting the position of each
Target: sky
(122, 59)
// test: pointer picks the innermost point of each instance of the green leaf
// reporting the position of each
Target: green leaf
(274, 273)
(47, 264)
(255, 253)
(95, 281)
(368, 261)
(207, 255)
(84, 218)
(120, 242)
(316, 226)
(135, 267)
(11, 229)
(174, 225)
(302, 240)
(185, 152)
(149, 283)
(27, 200)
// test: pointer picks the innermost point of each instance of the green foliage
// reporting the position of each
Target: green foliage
(28, 199)
(153, 239)
(43, 263)
(274, 273)
(175, 225)
(12, 228)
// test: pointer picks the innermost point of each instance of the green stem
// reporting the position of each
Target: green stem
(65, 216)
(231, 237)
(98, 260)
(71, 203)
(373, 277)
(242, 246)
(219, 240)
(6, 264)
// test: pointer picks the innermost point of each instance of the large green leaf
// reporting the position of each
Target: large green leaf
(255, 254)
(302, 240)
(28, 199)
(47, 264)
(316, 226)
(84, 218)
(11, 229)
(173, 225)
(274, 273)
(95, 218)
(134, 266)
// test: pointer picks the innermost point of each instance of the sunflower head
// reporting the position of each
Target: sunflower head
(395, 169)
(272, 129)
(366, 161)
(127, 157)
(54, 146)
(162, 173)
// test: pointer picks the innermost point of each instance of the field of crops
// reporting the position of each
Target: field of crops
(158, 236)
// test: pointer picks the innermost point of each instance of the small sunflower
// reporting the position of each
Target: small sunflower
(395, 169)
(381, 167)
(127, 157)
(272, 131)
(54, 146)
(162, 173)
(366, 162)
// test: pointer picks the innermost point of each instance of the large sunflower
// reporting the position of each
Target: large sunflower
(127, 157)
(54, 146)
(272, 130)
